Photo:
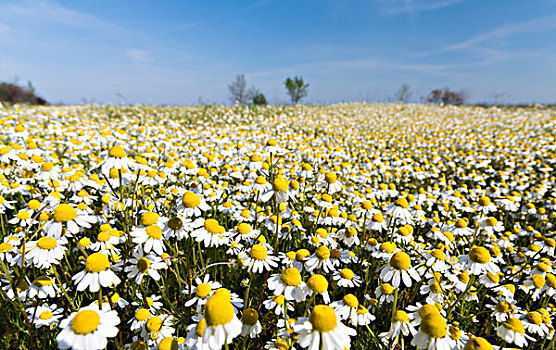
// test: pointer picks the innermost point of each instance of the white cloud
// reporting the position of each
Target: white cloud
(139, 56)
(498, 33)
(397, 7)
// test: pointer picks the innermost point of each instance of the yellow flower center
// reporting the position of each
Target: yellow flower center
(143, 264)
(154, 232)
(203, 290)
(347, 274)
(479, 255)
(434, 325)
(200, 328)
(322, 252)
(388, 247)
(34, 204)
(351, 301)
(291, 276)
(484, 201)
(117, 152)
(218, 310)
(279, 299)
(551, 280)
(85, 322)
(318, 283)
(47, 243)
(97, 262)
(538, 281)
(515, 325)
(168, 343)
(43, 281)
(400, 316)
(400, 261)
(491, 222)
(351, 232)
(428, 309)
(190, 200)
(302, 254)
(323, 318)
(23, 215)
(387, 288)
(504, 307)
(330, 178)
(154, 324)
(64, 212)
(402, 202)
(244, 228)
(543, 267)
(534, 317)
(5, 247)
(378, 217)
(438, 254)
(435, 287)
(258, 252)
(212, 226)
(142, 314)
(250, 317)
(103, 236)
(477, 344)
(271, 142)
(280, 185)
(46, 315)
(461, 223)
(149, 218)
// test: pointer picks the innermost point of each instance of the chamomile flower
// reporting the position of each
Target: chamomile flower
(222, 324)
(45, 315)
(323, 330)
(251, 324)
(346, 278)
(433, 333)
(141, 265)
(65, 216)
(97, 273)
(88, 328)
(150, 238)
(45, 251)
(513, 332)
(259, 259)
(399, 269)
(203, 289)
(288, 283)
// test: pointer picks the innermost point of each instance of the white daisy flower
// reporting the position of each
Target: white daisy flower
(323, 330)
(89, 328)
(97, 273)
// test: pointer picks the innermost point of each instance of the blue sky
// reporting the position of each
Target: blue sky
(178, 52)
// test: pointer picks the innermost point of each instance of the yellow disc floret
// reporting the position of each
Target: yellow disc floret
(85, 322)
(64, 212)
(97, 262)
(323, 318)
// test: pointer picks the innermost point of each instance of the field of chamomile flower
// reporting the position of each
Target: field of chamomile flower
(358, 226)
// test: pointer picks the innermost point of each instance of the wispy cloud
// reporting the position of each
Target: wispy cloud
(536, 25)
(397, 7)
(189, 25)
(49, 11)
(139, 56)
(362, 65)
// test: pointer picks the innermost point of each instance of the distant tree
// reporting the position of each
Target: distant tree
(296, 89)
(238, 90)
(446, 97)
(403, 94)
(257, 97)
(15, 93)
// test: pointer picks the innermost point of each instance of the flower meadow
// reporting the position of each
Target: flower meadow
(353, 226)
